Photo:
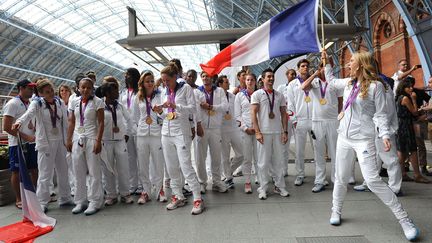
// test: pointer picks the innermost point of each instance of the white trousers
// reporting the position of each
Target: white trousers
(212, 138)
(291, 132)
(71, 172)
(325, 134)
(117, 156)
(302, 129)
(133, 163)
(177, 155)
(54, 158)
(366, 153)
(270, 159)
(391, 162)
(150, 145)
(250, 153)
(231, 139)
(84, 160)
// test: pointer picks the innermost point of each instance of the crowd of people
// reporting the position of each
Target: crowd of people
(170, 136)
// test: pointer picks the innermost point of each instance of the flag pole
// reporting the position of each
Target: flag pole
(322, 28)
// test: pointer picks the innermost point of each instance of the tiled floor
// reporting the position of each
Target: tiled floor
(237, 217)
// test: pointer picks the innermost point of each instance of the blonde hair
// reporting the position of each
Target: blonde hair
(65, 87)
(141, 89)
(368, 72)
(42, 83)
(170, 70)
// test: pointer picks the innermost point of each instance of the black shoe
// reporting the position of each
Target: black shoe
(383, 173)
(229, 184)
(399, 194)
(186, 192)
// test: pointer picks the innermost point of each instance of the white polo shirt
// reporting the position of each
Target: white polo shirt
(16, 108)
(89, 114)
(328, 111)
(267, 125)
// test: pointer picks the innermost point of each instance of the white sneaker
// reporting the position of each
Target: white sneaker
(92, 209)
(198, 207)
(162, 197)
(127, 199)
(79, 208)
(281, 191)
(262, 195)
(175, 203)
(299, 181)
(335, 218)
(248, 188)
(203, 188)
(361, 188)
(318, 188)
(217, 186)
(326, 183)
(110, 201)
(410, 230)
(351, 181)
(144, 198)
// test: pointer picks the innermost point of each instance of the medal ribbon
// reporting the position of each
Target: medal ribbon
(301, 82)
(272, 101)
(82, 111)
(148, 105)
(227, 95)
(353, 95)
(209, 97)
(129, 98)
(171, 99)
(113, 112)
(323, 91)
(53, 114)
(246, 93)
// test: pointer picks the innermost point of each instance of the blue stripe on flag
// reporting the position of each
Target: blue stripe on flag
(294, 30)
(24, 175)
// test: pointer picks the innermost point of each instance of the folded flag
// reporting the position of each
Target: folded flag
(293, 31)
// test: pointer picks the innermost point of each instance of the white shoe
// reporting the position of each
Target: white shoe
(351, 181)
(217, 186)
(144, 198)
(175, 203)
(248, 188)
(79, 208)
(92, 209)
(410, 230)
(361, 188)
(162, 197)
(326, 183)
(198, 207)
(318, 188)
(203, 188)
(281, 191)
(299, 181)
(335, 218)
(110, 201)
(127, 199)
(262, 195)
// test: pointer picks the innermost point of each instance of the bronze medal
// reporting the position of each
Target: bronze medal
(271, 115)
(55, 131)
(149, 120)
(307, 99)
(341, 115)
(323, 101)
(211, 112)
(227, 116)
(116, 129)
(81, 130)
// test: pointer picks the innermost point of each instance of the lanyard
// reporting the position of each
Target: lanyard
(53, 114)
(271, 102)
(148, 104)
(113, 112)
(323, 91)
(129, 98)
(301, 82)
(209, 97)
(82, 111)
(246, 93)
(353, 95)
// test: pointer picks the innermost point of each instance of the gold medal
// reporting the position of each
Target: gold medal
(81, 130)
(211, 112)
(55, 131)
(341, 115)
(171, 115)
(116, 129)
(271, 115)
(323, 101)
(307, 99)
(149, 120)
(227, 116)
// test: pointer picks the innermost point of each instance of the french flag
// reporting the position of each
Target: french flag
(35, 222)
(293, 31)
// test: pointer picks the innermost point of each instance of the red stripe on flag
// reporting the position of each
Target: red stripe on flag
(219, 62)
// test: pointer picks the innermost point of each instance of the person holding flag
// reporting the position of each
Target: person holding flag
(268, 111)
(51, 130)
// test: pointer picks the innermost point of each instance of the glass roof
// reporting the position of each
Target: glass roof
(96, 25)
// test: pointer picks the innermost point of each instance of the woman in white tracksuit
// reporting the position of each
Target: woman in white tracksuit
(242, 109)
(127, 99)
(84, 140)
(117, 123)
(51, 127)
(364, 98)
(324, 124)
(149, 139)
(230, 136)
(177, 104)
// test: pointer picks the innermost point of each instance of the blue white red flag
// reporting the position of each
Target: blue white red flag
(293, 31)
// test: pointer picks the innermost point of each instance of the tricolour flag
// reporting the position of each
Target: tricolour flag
(35, 221)
(293, 31)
